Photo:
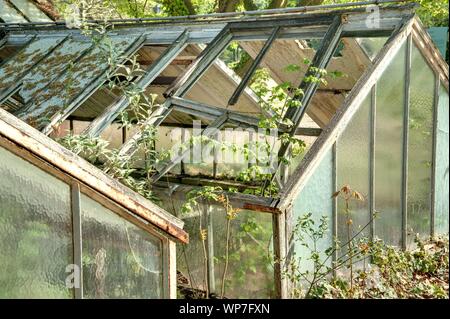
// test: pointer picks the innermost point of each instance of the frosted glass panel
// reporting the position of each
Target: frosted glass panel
(371, 46)
(35, 231)
(353, 169)
(441, 209)
(250, 270)
(316, 198)
(120, 260)
(388, 150)
(420, 146)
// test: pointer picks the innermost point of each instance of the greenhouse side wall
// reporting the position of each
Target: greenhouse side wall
(385, 154)
(122, 257)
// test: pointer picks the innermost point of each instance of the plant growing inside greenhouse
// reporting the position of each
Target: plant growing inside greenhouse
(202, 149)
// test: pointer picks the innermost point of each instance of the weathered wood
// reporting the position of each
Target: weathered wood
(308, 87)
(248, 75)
(207, 132)
(90, 89)
(111, 112)
(73, 165)
(186, 80)
(240, 120)
(434, 177)
(203, 31)
(279, 249)
(405, 151)
(19, 77)
(261, 208)
(206, 181)
(238, 200)
(352, 102)
(210, 247)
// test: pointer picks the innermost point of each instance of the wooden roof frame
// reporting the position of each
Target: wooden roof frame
(410, 26)
(217, 33)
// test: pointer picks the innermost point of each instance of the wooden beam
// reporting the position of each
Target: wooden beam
(248, 75)
(308, 87)
(77, 239)
(344, 115)
(89, 90)
(240, 120)
(193, 73)
(180, 60)
(238, 200)
(210, 246)
(208, 181)
(183, 83)
(164, 80)
(432, 55)
(207, 132)
(279, 248)
(112, 111)
(172, 271)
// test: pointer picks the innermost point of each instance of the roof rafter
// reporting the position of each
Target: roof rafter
(351, 104)
(110, 113)
(182, 84)
(90, 89)
(241, 120)
(248, 75)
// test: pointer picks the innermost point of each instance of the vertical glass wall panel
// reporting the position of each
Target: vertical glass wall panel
(420, 147)
(35, 231)
(352, 157)
(315, 199)
(390, 100)
(120, 260)
(441, 183)
(250, 263)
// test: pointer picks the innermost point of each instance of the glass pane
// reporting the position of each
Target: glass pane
(58, 95)
(353, 170)
(35, 231)
(420, 146)
(120, 260)
(30, 11)
(250, 271)
(441, 209)
(250, 268)
(371, 46)
(316, 198)
(21, 62)
(389, 149)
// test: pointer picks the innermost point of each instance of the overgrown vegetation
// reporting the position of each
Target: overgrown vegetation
(333, 272)
(364, 268)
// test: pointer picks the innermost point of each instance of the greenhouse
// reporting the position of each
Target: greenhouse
(134, 154)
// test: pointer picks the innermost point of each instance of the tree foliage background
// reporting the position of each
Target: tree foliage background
(432, 12)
